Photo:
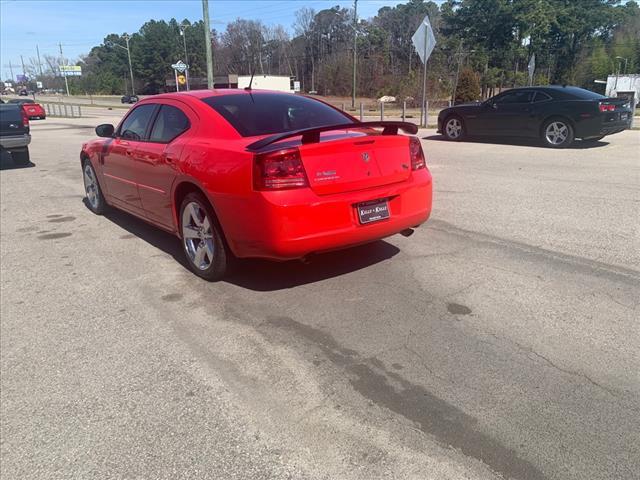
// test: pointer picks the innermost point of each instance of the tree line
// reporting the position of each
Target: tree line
(482, 45)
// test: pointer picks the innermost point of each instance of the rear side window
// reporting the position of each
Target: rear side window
(518, 96)
(135, 125)
(541, 97)
(267, 113)
(170, 123)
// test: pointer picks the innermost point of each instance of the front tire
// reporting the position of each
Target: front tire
(94, 198)
(454, 129)
(557, 133)
(204, 247)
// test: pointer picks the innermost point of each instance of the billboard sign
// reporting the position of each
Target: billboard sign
(70, 70)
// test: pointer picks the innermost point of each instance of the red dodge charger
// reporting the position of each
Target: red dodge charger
(242, 173)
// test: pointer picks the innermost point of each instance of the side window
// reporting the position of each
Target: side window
(135, 125)
(519, 96)
(541, 97)
(170, 123)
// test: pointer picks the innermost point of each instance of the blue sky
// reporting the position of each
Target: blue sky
(81, 24)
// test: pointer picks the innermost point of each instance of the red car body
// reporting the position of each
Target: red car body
(312, 207)
(34, 111)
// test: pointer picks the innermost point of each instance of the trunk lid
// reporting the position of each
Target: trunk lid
(352, 161)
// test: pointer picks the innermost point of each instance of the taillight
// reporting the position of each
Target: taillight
(25, 118)
(279, 170)
(605, 107)
(417, 155)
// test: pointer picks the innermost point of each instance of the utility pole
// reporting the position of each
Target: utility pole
(207, 40)
(39, 63)
(183, 32)
(22, 61)
(13, 79)
(66, 82)
(455, 85)
(355, 47)
(126, 39)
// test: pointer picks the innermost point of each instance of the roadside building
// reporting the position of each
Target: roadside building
(624, 86)
(260, 82)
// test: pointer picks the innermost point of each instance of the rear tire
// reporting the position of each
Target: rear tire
(557, 133)
(204, 247)
(453, 128)
(21, 157)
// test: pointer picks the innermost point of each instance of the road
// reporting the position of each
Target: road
(501, 340)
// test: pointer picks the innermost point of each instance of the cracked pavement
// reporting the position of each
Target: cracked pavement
(499, 341)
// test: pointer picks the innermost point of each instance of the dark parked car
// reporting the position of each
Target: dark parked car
(14, 132)
(129, 99)
(556, 115)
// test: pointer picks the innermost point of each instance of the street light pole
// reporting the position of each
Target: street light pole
(207, 40)
(183, 32)
(355, 47)
(133, 88)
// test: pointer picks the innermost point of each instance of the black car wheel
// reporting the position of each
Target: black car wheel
(557, 133)
(454, 128)
(206, 251)
(20, 157)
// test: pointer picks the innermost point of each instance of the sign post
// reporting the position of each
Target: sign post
(531, 68)
(179, 67)
(424, 42)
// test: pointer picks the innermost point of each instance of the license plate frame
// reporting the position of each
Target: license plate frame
(373, 211)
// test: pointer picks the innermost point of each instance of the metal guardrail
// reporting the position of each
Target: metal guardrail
(62, 110)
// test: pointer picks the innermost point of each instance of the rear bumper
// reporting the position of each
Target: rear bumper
(15, 141)
(599, 126)
(292, 224)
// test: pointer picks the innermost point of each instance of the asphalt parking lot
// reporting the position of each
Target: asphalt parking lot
(501, 340)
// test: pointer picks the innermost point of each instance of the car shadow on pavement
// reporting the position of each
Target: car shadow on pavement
(264, 275)
(7, 163)
(523, 142)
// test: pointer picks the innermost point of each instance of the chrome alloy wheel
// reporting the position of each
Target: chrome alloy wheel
(556, 133)
(91, 186)
(197, 236)
(453, 128)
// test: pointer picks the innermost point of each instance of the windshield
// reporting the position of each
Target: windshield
(267, 113)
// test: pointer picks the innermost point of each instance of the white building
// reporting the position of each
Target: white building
(624, 86)
(266, 82)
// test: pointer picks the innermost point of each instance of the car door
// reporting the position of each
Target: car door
(507, 114)
(157, 160)
(118, 166)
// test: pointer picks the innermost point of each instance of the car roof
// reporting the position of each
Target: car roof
(199, 94)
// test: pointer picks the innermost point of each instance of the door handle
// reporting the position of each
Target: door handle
(168, 158)
(129, 153)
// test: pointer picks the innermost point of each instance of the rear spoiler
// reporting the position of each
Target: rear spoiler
(312, 135)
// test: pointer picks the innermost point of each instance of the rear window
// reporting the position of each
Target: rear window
(267, 113)
(10, 113)
(582, 94)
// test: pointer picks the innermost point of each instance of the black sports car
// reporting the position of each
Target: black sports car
(557, 115)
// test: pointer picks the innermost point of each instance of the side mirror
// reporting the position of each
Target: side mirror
(105, 130)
